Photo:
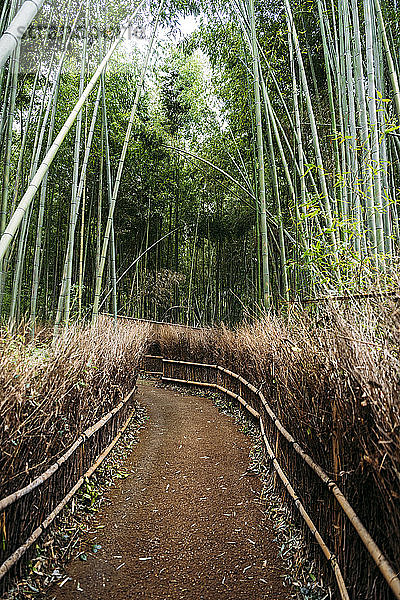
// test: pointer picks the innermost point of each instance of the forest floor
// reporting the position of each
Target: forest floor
(188, 521)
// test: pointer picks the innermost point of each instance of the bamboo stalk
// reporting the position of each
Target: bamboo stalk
(53, 97)
(74, 211)
(63, 298)
(110, 193)
(394, 78)
(165, 323)
(30, 193)
(17, 28)
(107, 234)
(315, 136)
(374, 127)
(260, 162)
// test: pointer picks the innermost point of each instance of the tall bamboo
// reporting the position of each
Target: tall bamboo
(7, 164)
(394, 77)
(374, 128)
(67, 260)
(110, 192)
(260, 160)
(75, 174)
(39, 230)
(9, 41)
(48, 159)
(107, 234)
(315, 137)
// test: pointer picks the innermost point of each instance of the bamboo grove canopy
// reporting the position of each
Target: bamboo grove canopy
(251, 162)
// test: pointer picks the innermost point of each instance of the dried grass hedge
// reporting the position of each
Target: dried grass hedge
(50, 393)
(333, 378)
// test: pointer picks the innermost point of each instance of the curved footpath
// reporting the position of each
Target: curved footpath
(187, 522)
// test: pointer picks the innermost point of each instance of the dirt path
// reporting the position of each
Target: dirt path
(187, 522)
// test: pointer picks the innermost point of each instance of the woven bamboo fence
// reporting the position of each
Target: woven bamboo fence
(152, 365)
(308, 486)
(151, 322)
(28, 512)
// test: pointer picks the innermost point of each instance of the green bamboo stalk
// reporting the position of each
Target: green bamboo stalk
(75, 175)
(99, 204)
(346, 190)
(67, 260)
(394, 78)
(260, 159)
(5, 88)
(367, 176)
(43, 190)
(298, 135)
(352, 141)
(18, 271)
(110, 192)
(9, 41)
(107, 234)
(24, 138)
(81, 253)
(374, 129)
(331, 98)
(9, 138)
(192, 263)
(314, 131)
(276, 191)
(40, 132)
(30, 193)
(7, 165)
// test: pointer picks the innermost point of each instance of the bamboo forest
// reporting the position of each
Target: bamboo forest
(200, 240)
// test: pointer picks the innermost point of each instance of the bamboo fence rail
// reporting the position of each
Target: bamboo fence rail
(153, 322)
(152, 365)
(28, 512)
(350, 298)
(252, 399)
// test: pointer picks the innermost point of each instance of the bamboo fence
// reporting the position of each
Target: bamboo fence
(163, 323)
(28, 512)
(282, 449)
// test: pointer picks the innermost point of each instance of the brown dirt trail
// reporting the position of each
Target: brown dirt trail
(187, 522)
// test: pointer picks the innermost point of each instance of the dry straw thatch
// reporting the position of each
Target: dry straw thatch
(50, 393)
(333, 379)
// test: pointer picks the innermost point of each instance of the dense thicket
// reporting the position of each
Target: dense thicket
(258, 193)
